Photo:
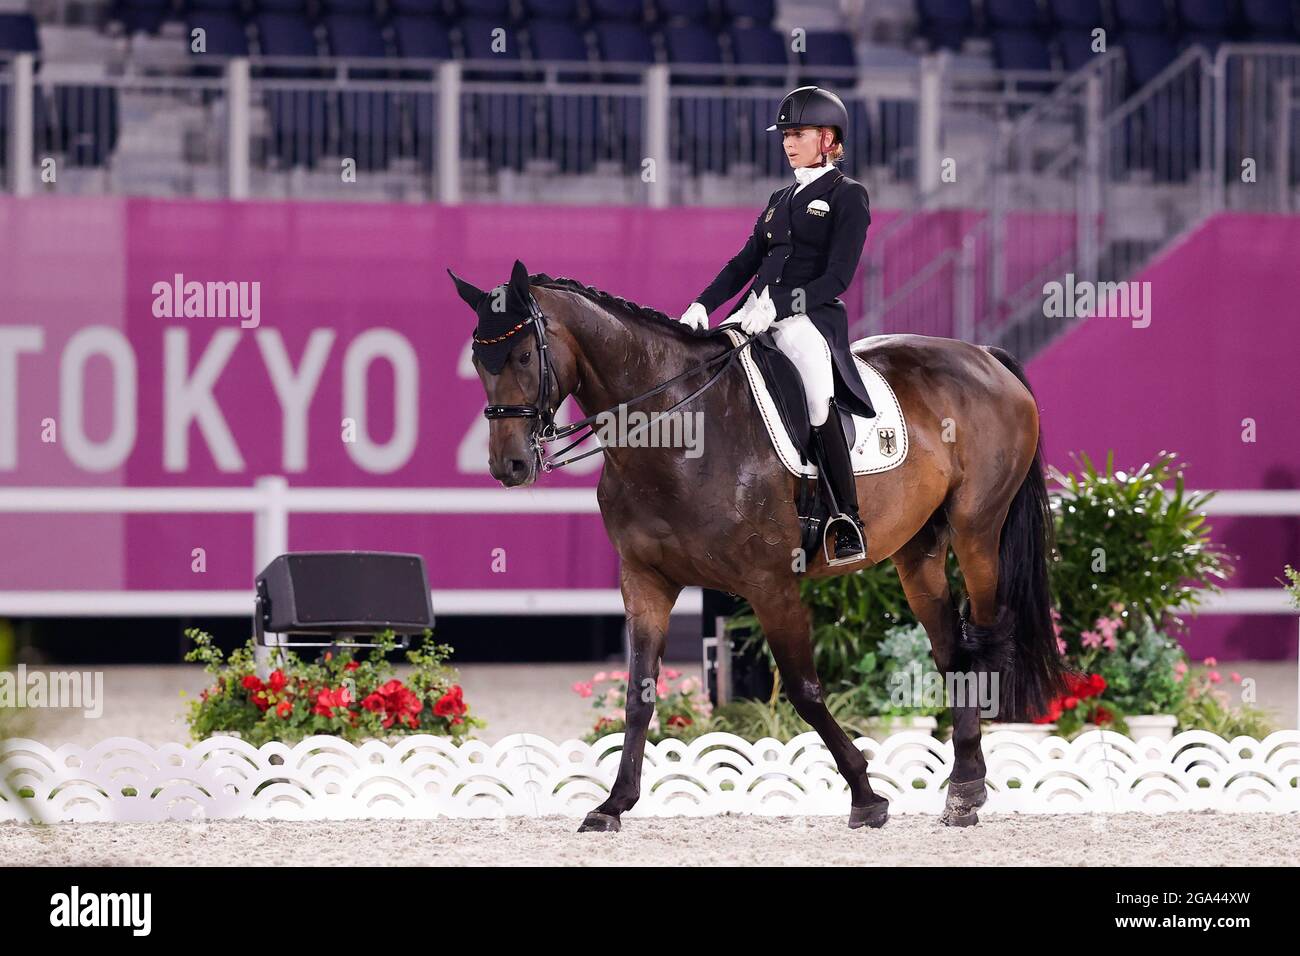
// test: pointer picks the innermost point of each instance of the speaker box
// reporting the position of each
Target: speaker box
(343, 592)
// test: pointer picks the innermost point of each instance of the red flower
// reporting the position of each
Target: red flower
(679, 720)
(252, 682)
(277, 681)
(451, 704)
(284, 708)
(1069, 703)
(351, 666)
(1102, 716)
(328, 700)
(259, 699)
(396, 702)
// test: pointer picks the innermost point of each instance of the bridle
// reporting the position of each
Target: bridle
(541, 411)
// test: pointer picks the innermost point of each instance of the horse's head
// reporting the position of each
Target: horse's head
(522, 390)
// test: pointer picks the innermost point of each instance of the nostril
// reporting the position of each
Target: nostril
(518, 466)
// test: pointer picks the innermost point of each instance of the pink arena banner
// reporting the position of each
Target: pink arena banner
(316, 321)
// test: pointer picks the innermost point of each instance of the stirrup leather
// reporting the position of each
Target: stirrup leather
(828, 535)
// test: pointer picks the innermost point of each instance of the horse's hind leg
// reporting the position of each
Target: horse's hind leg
(786, 625)
(648, 599)
(922, 568)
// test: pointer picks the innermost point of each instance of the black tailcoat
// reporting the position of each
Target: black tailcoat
(793, 249)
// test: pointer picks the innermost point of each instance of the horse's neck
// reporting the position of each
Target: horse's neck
(620, 358)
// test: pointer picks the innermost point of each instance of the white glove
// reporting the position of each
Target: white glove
(759, 316)
(697, 317)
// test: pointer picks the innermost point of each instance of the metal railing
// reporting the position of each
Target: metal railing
(491, 129)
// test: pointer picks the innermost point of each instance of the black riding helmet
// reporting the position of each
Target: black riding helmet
(812, 106)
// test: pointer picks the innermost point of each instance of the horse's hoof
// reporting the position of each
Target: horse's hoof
(952, 817)
(597, 822)
(962, 801)
(872, 815)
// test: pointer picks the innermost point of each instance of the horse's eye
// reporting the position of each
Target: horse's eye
(523, 359)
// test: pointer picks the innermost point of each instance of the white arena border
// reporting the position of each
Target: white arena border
(425, 777)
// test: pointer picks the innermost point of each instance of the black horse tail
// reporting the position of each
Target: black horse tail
(1021, 645)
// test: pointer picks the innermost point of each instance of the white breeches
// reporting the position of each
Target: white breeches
(799, 339)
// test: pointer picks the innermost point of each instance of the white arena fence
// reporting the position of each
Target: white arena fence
(426, 777)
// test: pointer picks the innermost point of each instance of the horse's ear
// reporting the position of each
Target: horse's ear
(472, 295)
(519, 280)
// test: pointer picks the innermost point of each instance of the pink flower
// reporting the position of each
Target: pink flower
(1210, 662)
(1090, 639)
(599, 676)
(1215, 677)
(582, 688)
(1060, 644)
(1236, 678)
(1110, 642)
(1117, 607)
(688, 685)
(672, 674)
(1056, 615)
(1107, 627)
(661, 688)
(618, 675)
(1180, 668)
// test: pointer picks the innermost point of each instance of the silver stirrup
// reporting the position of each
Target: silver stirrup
(827, 536)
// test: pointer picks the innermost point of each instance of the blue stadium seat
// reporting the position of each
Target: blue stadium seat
(1075, 49)
(498, 10)
(298, 7)
(1085, 15)
(693, 43)
(1148, 54)
(18, 33)
(354, 35)
(216, 6)
(224, 33)
(559, 40)
(826, 48)
(358, 8)
(1206, 17)
(141, 16)
(415, 8)
(1269, 21)
(759, 13)
(682, 11)
(1020, 50)
(945, 23)
(618, 42)
(500, 127)
(620, 10)
(477, 37)
(1141, 16)
(285, 34)
(551, 10)
(1013, 15)
(758, 46)
(421, 38)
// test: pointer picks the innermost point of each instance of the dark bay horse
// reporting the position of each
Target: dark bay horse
(726, 519)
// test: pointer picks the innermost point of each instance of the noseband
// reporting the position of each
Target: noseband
(545, 431)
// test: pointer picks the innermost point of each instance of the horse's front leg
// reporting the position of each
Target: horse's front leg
(648, 599)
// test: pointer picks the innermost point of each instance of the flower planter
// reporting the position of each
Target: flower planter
(882, 727)
(1159, 726)
(1035, 731)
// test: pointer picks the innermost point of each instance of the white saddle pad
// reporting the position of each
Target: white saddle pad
(881, 442)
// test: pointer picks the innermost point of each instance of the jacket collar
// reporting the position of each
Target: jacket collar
(817, 187)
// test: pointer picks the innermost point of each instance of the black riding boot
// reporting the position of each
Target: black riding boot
(839, 473)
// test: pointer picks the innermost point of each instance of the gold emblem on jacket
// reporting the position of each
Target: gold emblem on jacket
(770, 213)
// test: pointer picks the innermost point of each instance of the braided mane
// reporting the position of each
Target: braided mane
(607, 300)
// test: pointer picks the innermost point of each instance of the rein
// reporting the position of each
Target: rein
(548, 432)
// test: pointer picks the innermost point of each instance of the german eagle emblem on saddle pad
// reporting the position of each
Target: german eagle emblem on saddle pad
(881, 442)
